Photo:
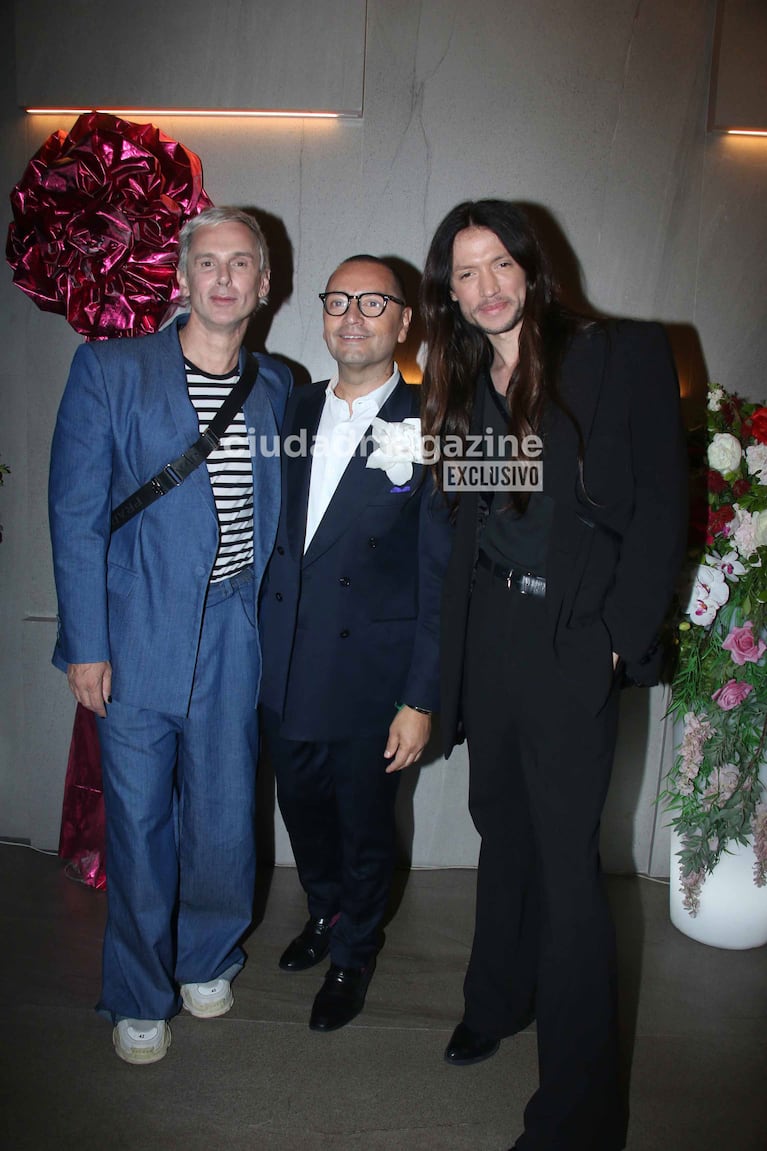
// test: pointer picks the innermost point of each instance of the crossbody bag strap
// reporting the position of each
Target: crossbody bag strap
(174, 473)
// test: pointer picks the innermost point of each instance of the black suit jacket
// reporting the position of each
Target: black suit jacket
(352, 627)
(615, 550)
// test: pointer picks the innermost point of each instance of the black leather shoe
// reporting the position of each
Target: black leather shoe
(310, 947)
(467, 1047)
(341, 997)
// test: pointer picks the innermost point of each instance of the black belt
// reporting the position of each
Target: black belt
(525, 582)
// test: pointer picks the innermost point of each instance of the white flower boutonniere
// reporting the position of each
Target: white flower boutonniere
(397, 448)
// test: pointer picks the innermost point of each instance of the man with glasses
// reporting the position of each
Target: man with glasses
(349, 630)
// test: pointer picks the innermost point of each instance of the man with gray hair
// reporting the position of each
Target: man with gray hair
(157, 622)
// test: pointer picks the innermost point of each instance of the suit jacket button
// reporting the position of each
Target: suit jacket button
(280, 550)
(345, 633)
(344, 581)
(278, 596)
(373, 542)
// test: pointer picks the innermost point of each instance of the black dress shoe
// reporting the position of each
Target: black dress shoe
(310, 947)
(467, 1047)
(341, 997)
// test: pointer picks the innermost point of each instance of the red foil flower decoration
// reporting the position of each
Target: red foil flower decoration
(96, 218)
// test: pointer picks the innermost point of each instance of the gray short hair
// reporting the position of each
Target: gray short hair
(210, 218)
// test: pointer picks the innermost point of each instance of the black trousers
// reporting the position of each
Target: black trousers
(338, 805)
(544, 941)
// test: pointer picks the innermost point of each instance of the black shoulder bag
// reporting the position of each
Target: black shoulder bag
(174, 473)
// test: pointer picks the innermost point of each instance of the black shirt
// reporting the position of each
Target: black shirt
(519, 542)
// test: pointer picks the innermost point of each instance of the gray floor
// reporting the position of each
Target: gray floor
(695, 1022)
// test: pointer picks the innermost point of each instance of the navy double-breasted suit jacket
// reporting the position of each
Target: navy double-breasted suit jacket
(137, 597)
(351, 628)
(618, 532)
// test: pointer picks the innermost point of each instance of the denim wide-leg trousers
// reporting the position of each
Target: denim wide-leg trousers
(179, 794)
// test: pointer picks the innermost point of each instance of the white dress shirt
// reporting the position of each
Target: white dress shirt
(338, 436)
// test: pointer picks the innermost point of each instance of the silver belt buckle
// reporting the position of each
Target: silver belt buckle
(531, 584)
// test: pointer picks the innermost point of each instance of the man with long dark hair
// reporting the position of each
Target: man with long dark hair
(555, 594)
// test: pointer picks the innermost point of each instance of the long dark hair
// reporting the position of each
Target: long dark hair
(457, 351)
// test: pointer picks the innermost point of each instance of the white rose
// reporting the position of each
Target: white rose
(724, 452)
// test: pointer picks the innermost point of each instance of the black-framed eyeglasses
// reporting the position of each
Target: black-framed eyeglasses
(370, 304)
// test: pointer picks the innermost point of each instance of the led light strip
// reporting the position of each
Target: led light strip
(241, 112)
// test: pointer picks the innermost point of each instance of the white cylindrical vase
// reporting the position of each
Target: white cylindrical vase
(733, 910)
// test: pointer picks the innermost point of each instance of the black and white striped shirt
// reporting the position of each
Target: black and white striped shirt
(230, 468)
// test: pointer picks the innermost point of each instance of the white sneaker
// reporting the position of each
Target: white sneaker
(141, 1040)
(207, 1000)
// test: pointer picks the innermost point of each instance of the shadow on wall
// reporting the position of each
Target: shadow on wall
(692, 371)
(684, 339)
(407, 353)
(280, 290)
(567, 268)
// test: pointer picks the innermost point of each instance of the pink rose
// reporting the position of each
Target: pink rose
(742, 646)
(733, 693)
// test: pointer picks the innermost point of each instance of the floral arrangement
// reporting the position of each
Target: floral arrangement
(720, 685)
